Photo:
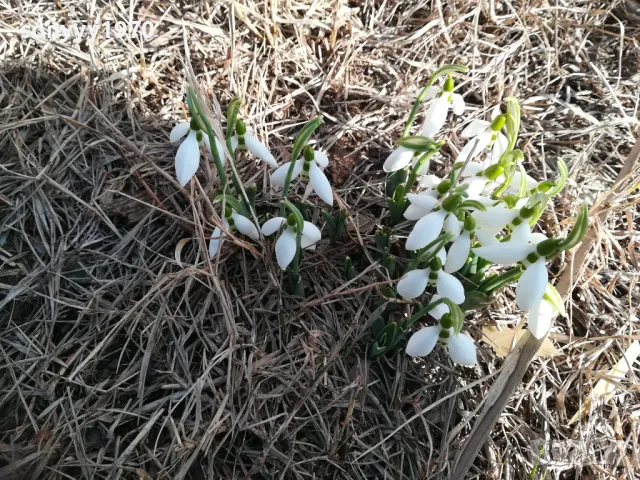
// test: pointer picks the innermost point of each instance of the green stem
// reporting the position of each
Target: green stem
(499, 281)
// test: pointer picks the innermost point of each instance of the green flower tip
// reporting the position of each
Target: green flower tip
(446, 321)
(291, 219)
(448, 84)
(193, 125)
(498, 123)
(469, 224)
(452, 203)
(435, 264)
(548, 247)
(443, 187)
(241, 128)
(308, 153)
(494, 171)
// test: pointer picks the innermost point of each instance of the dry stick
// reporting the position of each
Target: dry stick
(519, 359)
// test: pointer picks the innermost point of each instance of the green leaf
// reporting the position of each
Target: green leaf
(555, 299)
(398, 177)
(579, 230)
(232, 116)
(349, 271)
(418, 143)
(303, 137)
(562, 181)
(473, 204)
(447, 70)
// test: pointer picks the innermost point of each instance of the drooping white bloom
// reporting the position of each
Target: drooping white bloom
(258, 149)
(458, 252)
(232, 221)
(188, 154)
(533, 282)
(414, 283)
(461, 347)
(540, 318)
(286, 243)
(399, 158)
(483, 135)
(437, 113)
(311, 169)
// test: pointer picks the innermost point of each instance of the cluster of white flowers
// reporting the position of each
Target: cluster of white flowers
(485, 209)
(236, 217)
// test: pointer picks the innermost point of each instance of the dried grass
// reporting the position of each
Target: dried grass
(118, 362)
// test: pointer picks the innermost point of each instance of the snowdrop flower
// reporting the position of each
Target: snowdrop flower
(461, 246)
(399, 158)
(437, 112)
(540, 318)
(531, 251)
(232, 221)
(314, 162)
(286, 243)
(483, 135)
(414, 283)
(247, 141)
(461, 347)
(188, 155)
(429, 227)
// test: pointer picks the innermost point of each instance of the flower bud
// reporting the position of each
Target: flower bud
(451, 203)
(498, 123)
(469, 224)
(446, 321)
(241, 128)
(435, 264)
(291, 219)
(548, 247)
(199, 136)
(448, 85)
(308, 153)
(193, 125)
(443, 187)
(494, 171)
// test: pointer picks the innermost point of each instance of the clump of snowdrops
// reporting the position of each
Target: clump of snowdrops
(475, 228)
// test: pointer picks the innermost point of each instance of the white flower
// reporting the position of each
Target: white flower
(427, 229)
(399, 158)
(533, 282)
(482, 135)
(286, 243)
(311, 169)
(458, 252)
(462, 348)
(233, 221)
(437, 113)
(540, 317)
(258, 149)
(414, 283)
(188, 154)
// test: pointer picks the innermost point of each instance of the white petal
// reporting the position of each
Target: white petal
(450, 287)
(321, 158)
(495, 218)
(521, 233)
(462, 350)
(415, 213)
(440, 310)
(286, 248)
(499, 147)
(476, 127)
(311, 232)
(458, 253)
(540, 317)
(245, 226)
(476, 185)
(472, 168)
(423, 341)
(537, 237)
(422, 200)
(259, 150)
(515, 182)
(215, 242)
(436, 116)
(320, 183)
(452, 225)
(532, 285)
(506, 253)
(179, 131)
(426, 230)
(187, 159)
(278, 177)
(234, 143)
(475, 145)
(399, 158)
(486, 238)
(307, 243)
(442, 255)
(272, 226)
(432, 91)
(430, 181)
(413, 284)
(457, 103)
